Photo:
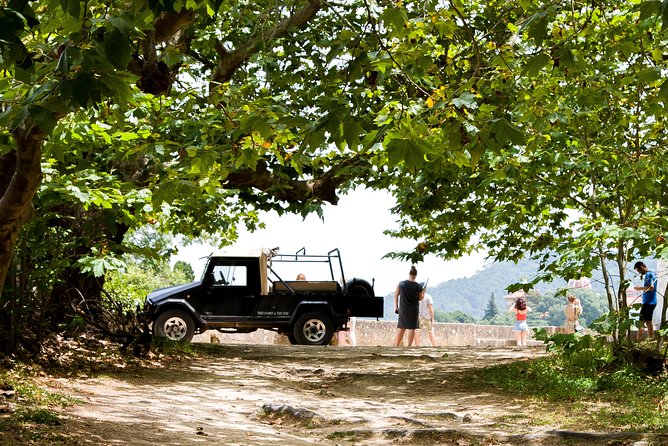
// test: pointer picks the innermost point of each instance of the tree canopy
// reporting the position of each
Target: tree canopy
(560, 145)
(528, 127)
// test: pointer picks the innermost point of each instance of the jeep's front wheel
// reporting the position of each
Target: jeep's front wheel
(313, 329)
(175, 325)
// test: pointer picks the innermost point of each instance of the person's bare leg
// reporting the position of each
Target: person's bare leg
(650, 329)
(518, 337)
(411, 337)
(641, 331)
(418, 334)
(432, 338)
(400, 337)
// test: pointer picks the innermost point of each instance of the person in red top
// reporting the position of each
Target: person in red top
(521, 328)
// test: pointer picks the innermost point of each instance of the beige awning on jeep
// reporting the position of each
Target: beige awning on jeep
(265, 260)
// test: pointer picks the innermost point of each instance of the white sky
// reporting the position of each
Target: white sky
(355, 226)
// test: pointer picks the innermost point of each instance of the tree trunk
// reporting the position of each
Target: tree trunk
(664, 307)
(621, 292)
(22, 174)
(608, 288)
(609, 292)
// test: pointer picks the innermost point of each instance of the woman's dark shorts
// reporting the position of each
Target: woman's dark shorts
(646, 312)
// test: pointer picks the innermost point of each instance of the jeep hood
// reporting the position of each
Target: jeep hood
(161, 294)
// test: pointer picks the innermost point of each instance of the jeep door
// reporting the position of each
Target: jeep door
(233, 287)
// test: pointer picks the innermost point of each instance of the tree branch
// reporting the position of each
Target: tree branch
(472, 35)
(231, 60)
(155, 76)
(322, 188)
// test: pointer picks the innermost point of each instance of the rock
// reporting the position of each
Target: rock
(7, 408)
(286, 412)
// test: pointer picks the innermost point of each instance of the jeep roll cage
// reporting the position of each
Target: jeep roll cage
(332, 259)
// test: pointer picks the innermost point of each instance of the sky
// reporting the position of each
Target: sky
(355, 226)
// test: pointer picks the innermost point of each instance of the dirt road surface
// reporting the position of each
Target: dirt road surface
(290, 395)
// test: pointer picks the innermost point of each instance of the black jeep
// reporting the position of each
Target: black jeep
(241, 292)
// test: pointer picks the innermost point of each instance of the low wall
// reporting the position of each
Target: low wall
(382, 333)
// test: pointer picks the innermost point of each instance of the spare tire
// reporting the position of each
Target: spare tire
(359, 287)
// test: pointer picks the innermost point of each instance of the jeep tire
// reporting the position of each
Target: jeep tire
(313, 328)
(291, 338)
(175, 325)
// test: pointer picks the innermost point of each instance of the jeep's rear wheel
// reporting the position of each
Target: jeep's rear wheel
(291, 338)
(175, 325)
(313, 328)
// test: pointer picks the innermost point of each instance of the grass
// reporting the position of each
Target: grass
(22, 382)
(583, 397)
(173, 348)
(32, 411)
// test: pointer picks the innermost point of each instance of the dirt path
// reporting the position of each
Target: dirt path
(284, 395)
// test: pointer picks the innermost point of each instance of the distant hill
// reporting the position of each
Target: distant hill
(471, 294)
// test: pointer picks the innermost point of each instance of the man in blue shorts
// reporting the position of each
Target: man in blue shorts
(648, 299)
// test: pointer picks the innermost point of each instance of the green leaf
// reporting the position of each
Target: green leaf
(465, 100)
(404, 151)
(11, 26)
(664, 15)
(83, 197)
(79, 89)
(554, 117)
(118, 85)
(649, 9)
(566, 57)
(22, 61)
(452, 134)
(121, 24)
(18, 116)
(649, 75)
(23, 7)
(373, 137)
(526, 5)
(44, 118)
(71, 7)
(395, 18)
(170, 191)
(99, 267)
(476, 151)
(446, 28)
(63, 66)
(505, 133)
(117, 49)
(252, 122)
(538, 28)
(351, 132)
(7, 117)
(663, 92)
(536, 63)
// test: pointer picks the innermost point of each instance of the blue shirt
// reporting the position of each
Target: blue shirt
(649, 297)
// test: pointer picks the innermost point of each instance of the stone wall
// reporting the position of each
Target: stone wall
(382, 333)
